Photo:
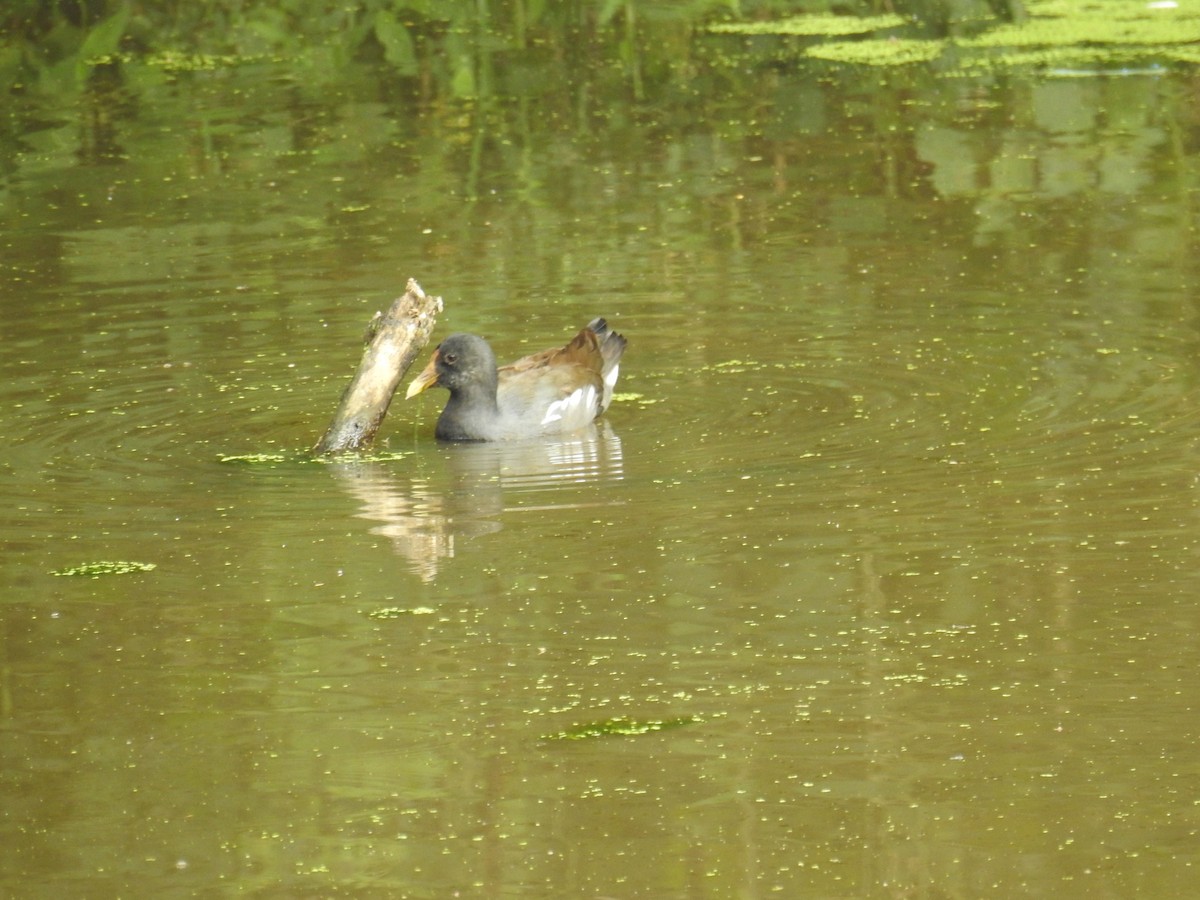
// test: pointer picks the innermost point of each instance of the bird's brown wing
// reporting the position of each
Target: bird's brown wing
(555, 390)
(583, 351)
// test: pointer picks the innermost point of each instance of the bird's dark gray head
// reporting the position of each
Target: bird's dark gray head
(465, 361)
(463, 364)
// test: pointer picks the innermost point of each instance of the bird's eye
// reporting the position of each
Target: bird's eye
(449, 358)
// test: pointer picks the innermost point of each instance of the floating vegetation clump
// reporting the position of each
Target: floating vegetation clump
(106, 567)
(813, 26)
(612, 727)
(891, 52)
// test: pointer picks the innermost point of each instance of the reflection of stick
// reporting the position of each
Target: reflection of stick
(393, 342)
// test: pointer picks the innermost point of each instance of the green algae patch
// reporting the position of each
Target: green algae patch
(106, 567)
(890, 52)
(618, 727)
(813, 26)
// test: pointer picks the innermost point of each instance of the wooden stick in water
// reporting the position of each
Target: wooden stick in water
(394, 340)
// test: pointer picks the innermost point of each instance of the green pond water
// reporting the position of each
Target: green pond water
(882, 578)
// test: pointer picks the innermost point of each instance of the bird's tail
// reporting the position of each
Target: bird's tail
(612, 347)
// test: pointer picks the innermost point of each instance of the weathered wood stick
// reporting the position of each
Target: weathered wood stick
(393, 342)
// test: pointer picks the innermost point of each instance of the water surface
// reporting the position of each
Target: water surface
(893, 526)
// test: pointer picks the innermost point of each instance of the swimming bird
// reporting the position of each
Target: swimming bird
(555, 391)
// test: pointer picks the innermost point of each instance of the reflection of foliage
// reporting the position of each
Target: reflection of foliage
(447, 44)
(452, 47)
(186, 35)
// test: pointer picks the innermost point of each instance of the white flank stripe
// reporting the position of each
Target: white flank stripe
(584, 398)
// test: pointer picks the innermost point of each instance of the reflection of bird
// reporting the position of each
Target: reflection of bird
(552, 392)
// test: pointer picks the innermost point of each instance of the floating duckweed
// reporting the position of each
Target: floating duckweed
(256, 459)
(891, 52)
(1058, 33)
(1113, 10)
(634, 397)
(106, 567)
(373, 456)
(395, 612)
(1185, 54)
(618, 727)
(1066, 60)
(1088, 23)
(175, 61)
(275, 459)
(813, 25)
(1102, 31)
